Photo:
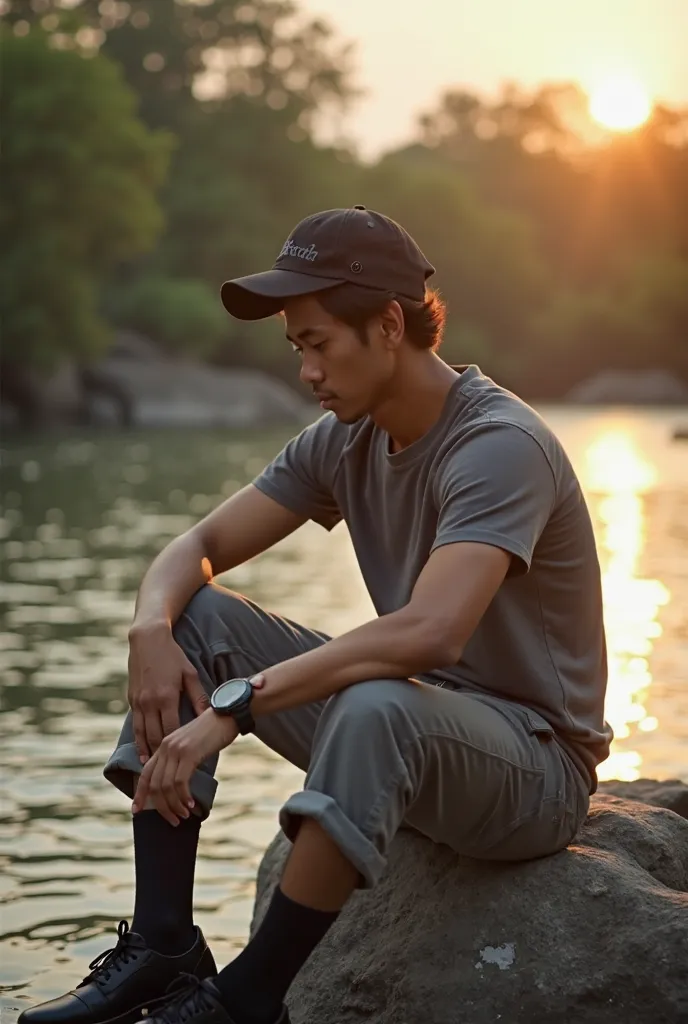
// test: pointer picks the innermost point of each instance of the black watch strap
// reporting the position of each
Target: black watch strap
(244, 719)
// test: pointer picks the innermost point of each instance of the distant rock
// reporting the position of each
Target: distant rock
(138, 384)
(596, 934)
(31, 398)
(671, 793)
(632, 387)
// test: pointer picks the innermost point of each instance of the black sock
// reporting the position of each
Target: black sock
(165, 859)
(254, 985)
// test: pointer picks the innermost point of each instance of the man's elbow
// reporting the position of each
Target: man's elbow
(437, 643)
(447, 651)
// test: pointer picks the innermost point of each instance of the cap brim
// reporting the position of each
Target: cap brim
(261, 295)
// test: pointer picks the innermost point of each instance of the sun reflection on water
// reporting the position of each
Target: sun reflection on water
(617, 477)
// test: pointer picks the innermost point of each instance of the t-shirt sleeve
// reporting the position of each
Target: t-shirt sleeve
(495, 487)
(301, 477)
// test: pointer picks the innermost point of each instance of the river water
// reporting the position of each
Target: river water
(83, 515)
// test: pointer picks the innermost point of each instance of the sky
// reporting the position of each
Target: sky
(409, 51)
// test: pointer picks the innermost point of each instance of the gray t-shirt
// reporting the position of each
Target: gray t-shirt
(490, 470)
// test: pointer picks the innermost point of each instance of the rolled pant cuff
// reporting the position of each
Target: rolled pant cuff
(357, 849)
(124, 764)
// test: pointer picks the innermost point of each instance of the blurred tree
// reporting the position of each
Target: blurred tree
(177, 52)
(464, 125)
(181, 315)
(79, 177)
(241, 84)
(238, 186)
(635, 199)
(488, 267)
(590, 204)
(609, 214)
(640, 324)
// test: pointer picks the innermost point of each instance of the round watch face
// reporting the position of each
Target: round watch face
(229, 693)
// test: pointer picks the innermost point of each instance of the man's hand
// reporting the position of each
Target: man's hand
(158, 673)
(165, 779)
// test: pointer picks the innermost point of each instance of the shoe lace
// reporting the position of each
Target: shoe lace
(111, 960)
(188, 996)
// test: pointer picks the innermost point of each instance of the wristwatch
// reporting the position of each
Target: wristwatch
(234, 698)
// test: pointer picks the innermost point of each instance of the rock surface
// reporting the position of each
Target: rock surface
(671, 793)
(136, 384)
(596, 934)
(157, 391)
(29, 397)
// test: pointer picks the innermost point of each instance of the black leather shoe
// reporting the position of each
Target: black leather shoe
(197, 1002)
(125, 985)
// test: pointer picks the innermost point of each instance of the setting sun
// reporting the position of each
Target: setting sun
(620, 104)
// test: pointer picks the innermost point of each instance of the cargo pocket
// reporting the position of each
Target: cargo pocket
(537, 725)
(541, 821)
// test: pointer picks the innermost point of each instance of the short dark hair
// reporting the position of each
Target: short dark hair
(355, 306)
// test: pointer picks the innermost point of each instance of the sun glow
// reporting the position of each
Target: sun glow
(620, 103)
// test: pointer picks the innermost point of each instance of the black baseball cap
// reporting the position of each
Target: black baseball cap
(327, 249)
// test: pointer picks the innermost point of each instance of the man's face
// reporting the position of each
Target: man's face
(348, 377)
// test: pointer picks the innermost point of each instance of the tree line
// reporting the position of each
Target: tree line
(152, 150)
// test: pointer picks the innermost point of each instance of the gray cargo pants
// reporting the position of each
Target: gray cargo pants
(480, 774)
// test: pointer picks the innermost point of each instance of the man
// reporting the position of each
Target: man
(470, 709)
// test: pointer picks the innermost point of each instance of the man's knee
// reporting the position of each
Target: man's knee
(214, 613)
(209, 602)
(369, 706)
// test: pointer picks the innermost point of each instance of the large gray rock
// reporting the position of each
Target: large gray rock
(138, 383)
(596, 934)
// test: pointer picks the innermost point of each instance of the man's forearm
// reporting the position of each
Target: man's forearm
(394, 646)
(171, 581)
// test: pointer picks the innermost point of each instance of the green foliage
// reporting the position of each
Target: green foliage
(659, 300)
(590, 206)
(177, 53)
(488, 269)
(180, 315)
(641, 323)
(237, 185)
(79, 177)
(245, 167)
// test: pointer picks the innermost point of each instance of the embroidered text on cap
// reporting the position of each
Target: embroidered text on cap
(291, 249)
